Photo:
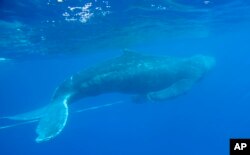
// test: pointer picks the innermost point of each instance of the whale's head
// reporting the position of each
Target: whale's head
(206, 63)
(199, 65)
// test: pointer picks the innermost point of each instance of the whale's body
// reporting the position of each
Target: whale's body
(133, 73)
(155, 78)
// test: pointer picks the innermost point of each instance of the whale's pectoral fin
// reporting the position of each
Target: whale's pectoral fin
(174, 90)
(53, 122)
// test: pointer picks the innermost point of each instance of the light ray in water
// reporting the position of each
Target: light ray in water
(17, 124)
(100, 106)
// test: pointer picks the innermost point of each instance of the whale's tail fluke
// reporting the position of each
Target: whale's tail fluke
(51, 120)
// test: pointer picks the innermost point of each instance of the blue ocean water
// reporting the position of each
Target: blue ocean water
(42, 42)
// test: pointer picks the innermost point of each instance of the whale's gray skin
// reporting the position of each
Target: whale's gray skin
(156, 78)
(133, 73)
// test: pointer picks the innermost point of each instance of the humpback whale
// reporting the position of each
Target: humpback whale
(156, 78)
